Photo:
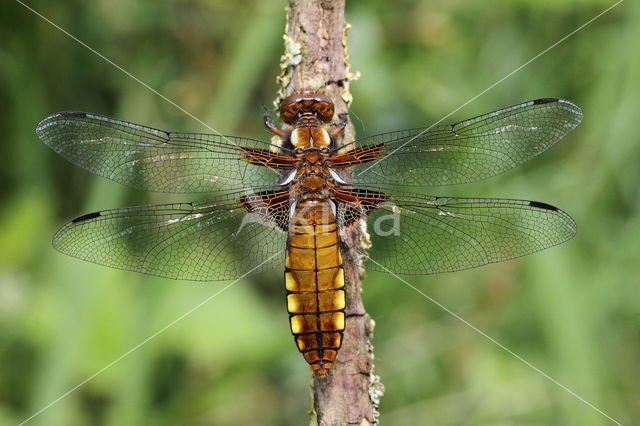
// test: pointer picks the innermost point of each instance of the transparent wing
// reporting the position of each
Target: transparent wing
(156, 160)
(416, 234)
(467, 151)
(212, 239)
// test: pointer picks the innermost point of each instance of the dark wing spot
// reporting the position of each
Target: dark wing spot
(73, 114)
(545, 206)
(86, 217)
(545, 101)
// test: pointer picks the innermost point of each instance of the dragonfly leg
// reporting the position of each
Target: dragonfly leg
(341, 125)
(271, 126)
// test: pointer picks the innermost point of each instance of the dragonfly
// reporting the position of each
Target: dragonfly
(287, 202)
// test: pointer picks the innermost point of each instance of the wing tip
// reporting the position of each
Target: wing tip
(577, 111)
(569, 222)
(45, 121)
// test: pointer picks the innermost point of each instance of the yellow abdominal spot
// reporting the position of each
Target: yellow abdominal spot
(290, 282)
(340, 279)
(292, 303)
(339, 321)
(339, 300)
(296, 324)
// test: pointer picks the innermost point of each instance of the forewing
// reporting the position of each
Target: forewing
(415, 234)
(467, 151)
(212, 239)
(156, 160)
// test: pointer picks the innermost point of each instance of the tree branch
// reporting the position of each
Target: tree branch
(315, 58)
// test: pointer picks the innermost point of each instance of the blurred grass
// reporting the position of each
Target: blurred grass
(573, 311)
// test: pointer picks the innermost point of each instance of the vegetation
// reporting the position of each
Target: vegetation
(572, 311)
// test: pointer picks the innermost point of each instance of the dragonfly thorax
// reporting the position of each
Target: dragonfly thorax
(310, 137)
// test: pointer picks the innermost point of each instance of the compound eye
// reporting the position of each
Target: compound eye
(324, 110)
(289, 112)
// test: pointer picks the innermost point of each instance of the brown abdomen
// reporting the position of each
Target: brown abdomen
(314, 279)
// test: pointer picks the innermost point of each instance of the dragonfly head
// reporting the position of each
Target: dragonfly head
(308, 103)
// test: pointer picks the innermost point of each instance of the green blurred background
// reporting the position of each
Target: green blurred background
(573, 311)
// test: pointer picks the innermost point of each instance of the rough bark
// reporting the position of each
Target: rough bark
(315, 58)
